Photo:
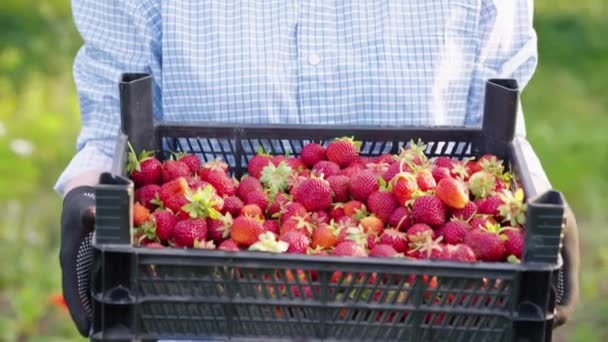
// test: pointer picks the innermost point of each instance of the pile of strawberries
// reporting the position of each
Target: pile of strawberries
(333, 201)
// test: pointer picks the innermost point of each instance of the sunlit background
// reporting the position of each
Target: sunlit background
(567, 115)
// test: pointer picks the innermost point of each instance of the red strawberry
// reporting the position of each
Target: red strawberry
(247, 185)
(140, 214)
(175, 204)
(481, 184)
(279, 201)
(298, 242)
(400, 219)
(454, 232)
(296, 164)
(326, 169)
(419, 231)
(257, 164)
(480, 221)
(382, 204)
(440, 173)
(324, 236)
(154, 245)
(351, 170)
(393, 170)
(383, 251)
(394, 238)
(350, 249)
(271, 226)
(372, 225)
(351, 232)
(453, 193)
(314, 194)
(465, 213)
(252, 210)
(276, 160)
(413, 154)
(430, 210)
(144, 169)
(216, 164)
(363, 184)
(297, 223)
(190, 231)
(460, 171)
(218, 230)
(291, 209)
(195, 182)
(336, 211)
(258, 198)
(425, 180)
(165, 223)
(404, 186)
(220, 181)
(490, 205)
(339, 186)
(430, 249)
(147, 193)
(320, 216)
(354, 208)
(246, 230)
(445, 162)
(343, 151)
(461, 253)
(514, 243)
(386, 158)
(486, 244)
(229, 245)
(192, 161)
(312, 153)
(173, 169)
(232, 205)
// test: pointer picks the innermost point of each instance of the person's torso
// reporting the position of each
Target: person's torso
(382, 62)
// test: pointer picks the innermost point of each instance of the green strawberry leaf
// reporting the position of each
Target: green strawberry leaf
(513, 259)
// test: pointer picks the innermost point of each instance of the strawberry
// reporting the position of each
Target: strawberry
(425, 180)
(141, 214)
(363, 184)
(144, 169)
(276, 178)
(489, 205)
(297, 223)
(430, 210)
(153, 245)
(190, 231)
(216, 164)
(298, 242)
(386, 158)
(271, 226)
(246, 230)
(513, 209)
(146, 194)
(191, 160)
(276, 160)
(339, 186)
(218, 229)
(514, 243)
(445, 162)
(354, 208)
(336, 211)
(382, 204)
(430, 249)
(232, 205)
(454, 232)
(413, 154)
(372, 225)
(229, 245)
(247, 185)
(220, 181)
(440, 173)
(481, 184)
(173, 169)
(460, 171)
(351, 170)
(258, 198)
(195, 182)
(320, 216)
(452, 193)
(349, 232)
(480, 221)
(326, 169)
(419, 231)
(461, 253)
(486, 243)
(278, 202)
(404, 186)
(400, 219)
(312, 153)
(291, 209)
(165, 223)
(394, 238)
(324, 236)
(314, 194)
(175, 204)
(349, 249)
(296, 164)
(203, 203)
(465, 213)
(251, 210)
(383, 251)
(343, 151)
(257, 164)
(393, 170)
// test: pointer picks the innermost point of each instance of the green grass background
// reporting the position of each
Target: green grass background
(566, 105)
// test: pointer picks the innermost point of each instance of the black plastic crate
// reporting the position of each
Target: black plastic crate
(151, 294)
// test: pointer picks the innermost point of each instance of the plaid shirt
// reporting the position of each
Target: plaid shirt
(373, 62)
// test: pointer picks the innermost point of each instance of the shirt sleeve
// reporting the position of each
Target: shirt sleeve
(507, 49)
(119, 36)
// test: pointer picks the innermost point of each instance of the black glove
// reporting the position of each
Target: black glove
(76, 254)
(567, 287)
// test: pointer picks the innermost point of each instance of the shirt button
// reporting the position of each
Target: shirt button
(314, 59)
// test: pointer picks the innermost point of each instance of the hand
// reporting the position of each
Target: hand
(76, 254)
(567, 282)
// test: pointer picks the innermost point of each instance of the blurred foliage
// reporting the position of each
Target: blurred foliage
(566, 112)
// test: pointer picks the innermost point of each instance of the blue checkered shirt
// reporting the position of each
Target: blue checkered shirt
(373, 62)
